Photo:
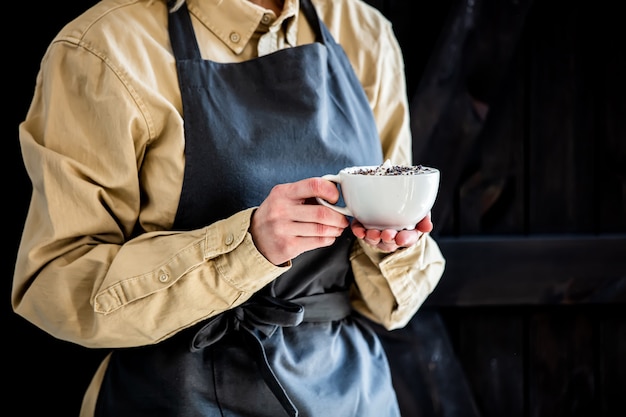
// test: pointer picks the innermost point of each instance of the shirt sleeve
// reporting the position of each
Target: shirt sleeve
(390, 288)
(83, 273)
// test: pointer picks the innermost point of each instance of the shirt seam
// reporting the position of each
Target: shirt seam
(136, 97)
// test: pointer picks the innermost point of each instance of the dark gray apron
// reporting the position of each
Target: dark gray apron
(295, 348)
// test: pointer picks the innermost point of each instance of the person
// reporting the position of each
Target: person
(175, 151)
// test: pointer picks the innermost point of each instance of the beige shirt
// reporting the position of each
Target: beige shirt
(103, 144)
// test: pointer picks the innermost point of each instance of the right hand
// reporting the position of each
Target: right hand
(289, 221)
(390, 240)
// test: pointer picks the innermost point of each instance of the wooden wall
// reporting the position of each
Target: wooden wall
(522, 106)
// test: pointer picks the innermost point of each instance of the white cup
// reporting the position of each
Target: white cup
(386, 198)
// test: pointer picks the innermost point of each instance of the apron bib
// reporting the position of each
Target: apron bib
(294, 349)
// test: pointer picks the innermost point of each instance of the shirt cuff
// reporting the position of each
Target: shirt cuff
(236, 258)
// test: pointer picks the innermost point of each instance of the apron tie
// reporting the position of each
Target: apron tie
(263, 315)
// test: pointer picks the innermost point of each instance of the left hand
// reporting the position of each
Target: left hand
(390, 240)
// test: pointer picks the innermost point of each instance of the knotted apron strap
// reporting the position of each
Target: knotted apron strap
(325, 307)
(263, 315)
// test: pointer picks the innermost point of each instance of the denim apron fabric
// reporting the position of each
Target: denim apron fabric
(294, 349)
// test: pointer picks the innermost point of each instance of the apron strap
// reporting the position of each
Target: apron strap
(325, 307)
(311, 14)
(261, 316)
(180, 28)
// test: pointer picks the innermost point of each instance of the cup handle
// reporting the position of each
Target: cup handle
(343, 210)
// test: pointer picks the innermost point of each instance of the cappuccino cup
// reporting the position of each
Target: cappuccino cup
(386, 196)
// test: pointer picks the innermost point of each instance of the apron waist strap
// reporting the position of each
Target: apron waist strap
(262, 315)
(265, 314)
(324, 307)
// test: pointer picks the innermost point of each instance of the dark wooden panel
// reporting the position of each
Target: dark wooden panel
(417, 25)
(550, 157)
(491, 193)
(612, 363)
(491, 349)
(460, 87)
(605, 67)
(542, 361)
(561, 377)
(560, 131)
(427, 375)
(571, 173)
(533, 270)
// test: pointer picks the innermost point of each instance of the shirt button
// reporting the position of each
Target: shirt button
(163, 276)
(234, 37)
(266, 19)
(229, 239)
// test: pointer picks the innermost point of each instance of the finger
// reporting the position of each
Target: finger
(425, 225)
(307, 229)
(282, 206)
(407, 238)
(357, 229)
(388, 235)
(373, 235)
(319, 215)
(309, 188)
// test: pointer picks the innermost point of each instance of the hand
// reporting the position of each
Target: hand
(390, 240)
(290, 222)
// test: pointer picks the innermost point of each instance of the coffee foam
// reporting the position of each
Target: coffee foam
(387, 169)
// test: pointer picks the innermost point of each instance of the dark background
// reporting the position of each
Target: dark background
(43, 375)
(522, 105)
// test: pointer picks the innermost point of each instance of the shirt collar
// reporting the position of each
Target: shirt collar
(235, 21)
